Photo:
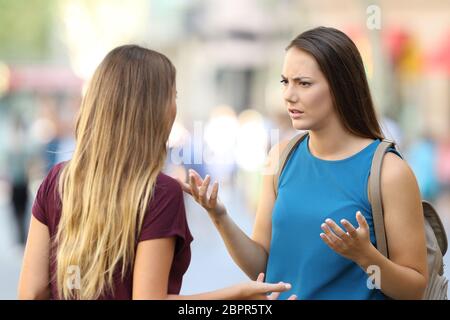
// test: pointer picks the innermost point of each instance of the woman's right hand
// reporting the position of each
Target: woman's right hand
(258, 290)
(198, 189)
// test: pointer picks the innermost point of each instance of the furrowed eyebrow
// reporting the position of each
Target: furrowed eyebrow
(297, 78)
(301, 78)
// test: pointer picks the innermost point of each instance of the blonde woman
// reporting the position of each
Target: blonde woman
(108, 224)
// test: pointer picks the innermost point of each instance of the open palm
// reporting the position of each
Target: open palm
(198, 188)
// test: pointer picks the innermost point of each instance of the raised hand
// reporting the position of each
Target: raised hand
(354, 243)
(198, 189)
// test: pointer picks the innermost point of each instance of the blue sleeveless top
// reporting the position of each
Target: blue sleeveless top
(311, 190)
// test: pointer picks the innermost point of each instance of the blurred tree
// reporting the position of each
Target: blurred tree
(26, 29)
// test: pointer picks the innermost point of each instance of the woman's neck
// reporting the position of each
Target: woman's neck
(330, 144)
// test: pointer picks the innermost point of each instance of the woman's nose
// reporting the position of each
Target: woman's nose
(290, 95)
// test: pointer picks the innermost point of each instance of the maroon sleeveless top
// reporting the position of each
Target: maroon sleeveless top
(165, 217)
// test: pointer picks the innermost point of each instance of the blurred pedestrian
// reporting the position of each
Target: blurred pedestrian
(422, 157)
(18, 163)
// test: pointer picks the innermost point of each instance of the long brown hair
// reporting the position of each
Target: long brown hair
(341, 63)
(121, 134)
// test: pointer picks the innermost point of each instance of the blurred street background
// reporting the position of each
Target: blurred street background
(228, 55)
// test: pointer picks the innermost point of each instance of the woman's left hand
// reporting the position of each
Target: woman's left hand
(354, 244)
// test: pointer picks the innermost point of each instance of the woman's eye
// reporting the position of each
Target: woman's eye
(284, 82)
(305, 84)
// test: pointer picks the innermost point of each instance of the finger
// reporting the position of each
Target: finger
(213, 196)
(203, 189)
(185, 186)
(350, 228)
(337, 230)
(362, 221)
(198, 179)
(331, 236)
(193, 185)
(327, 241)
(292, 297)
(260, 277)
(273, 296)
(275, 287)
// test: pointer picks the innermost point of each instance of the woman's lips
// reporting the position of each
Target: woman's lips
(295, 114)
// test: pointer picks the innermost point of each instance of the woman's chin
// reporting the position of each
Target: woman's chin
(298, 124)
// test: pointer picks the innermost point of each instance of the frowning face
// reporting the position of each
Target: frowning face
(306, 91)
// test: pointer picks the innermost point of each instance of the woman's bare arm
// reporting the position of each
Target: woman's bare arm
(34, 283)
(151, 277)
(404, 275)
(250, 254)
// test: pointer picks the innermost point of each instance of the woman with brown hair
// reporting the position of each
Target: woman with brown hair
(108, 224)
(297, 237)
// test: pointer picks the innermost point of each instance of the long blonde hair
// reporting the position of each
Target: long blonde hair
(121, 133)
